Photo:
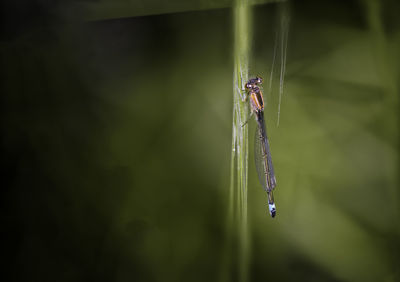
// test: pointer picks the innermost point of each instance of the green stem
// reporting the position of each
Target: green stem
(237, 230)
(240, 135)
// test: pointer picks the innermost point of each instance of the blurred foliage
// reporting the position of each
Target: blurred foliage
(94, 10)
(116, 139)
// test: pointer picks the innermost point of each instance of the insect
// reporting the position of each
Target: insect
(262, 154)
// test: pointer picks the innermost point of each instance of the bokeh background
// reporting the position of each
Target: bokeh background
(116, 122)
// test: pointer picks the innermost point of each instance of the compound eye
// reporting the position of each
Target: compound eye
(259, 79)
(248, 85)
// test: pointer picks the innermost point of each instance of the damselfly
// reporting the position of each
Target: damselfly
(262, 154)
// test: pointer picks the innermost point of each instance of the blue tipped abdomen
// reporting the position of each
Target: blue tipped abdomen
(272, 210)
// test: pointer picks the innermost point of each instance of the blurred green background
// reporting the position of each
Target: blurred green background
(116, 137)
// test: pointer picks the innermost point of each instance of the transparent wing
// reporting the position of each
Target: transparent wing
(259, 159)
(262, 156)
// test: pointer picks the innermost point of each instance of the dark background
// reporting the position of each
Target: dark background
(116, 137)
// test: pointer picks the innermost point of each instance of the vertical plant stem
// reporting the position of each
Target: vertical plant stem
(284, 29)
(237, 230)
(242, 40)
